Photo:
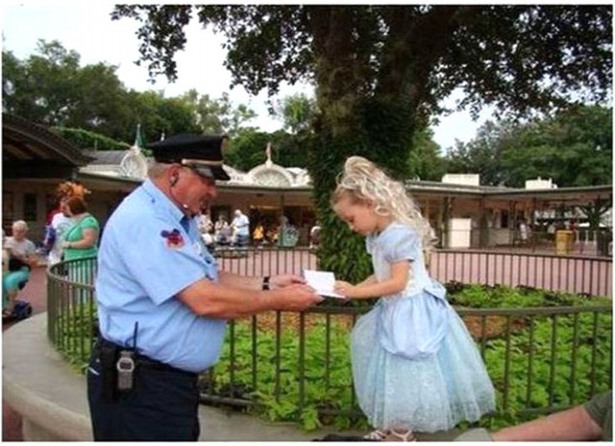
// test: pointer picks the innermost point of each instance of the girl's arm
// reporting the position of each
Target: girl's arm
(367, 281)
(372, 288)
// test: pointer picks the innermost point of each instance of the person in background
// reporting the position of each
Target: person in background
(551, 231)
(258, 235)
(5, 255)
(523, 232)
(315, 236)
(21, 254)
(59, 224)
(222, 231)
(80, 243)
(206, 227)
(241, 228)
(592, 421)
(415, 366)
(205, 224)
(81, 239)
(162, 302)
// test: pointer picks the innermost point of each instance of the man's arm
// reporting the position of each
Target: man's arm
(207, 298)
(256, 282)
(572, 424)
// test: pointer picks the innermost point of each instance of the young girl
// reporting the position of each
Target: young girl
(414, 364)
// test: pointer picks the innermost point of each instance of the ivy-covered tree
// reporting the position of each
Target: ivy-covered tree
(381, 71)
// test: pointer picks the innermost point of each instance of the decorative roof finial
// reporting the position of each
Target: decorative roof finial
(268, 153)
(139, 138)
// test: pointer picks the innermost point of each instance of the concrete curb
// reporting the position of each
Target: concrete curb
(40, 386)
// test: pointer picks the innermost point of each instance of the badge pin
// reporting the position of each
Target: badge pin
(174, 238)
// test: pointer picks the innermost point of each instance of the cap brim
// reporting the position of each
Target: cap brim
(213, 172)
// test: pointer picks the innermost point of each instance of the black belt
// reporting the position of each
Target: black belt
(145, 362)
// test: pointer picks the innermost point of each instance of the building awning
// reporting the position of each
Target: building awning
(30, 150)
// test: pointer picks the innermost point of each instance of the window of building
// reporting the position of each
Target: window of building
(29, 207)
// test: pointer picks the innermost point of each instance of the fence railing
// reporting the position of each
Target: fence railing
(573, 274)
(565, 350)
(71, 312)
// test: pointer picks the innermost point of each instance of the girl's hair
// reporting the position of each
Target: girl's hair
(364, 182)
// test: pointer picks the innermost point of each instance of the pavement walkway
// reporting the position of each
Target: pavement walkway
(34, 292)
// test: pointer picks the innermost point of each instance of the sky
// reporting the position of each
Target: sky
(86, 28)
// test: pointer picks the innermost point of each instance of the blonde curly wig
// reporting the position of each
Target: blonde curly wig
(364, 182)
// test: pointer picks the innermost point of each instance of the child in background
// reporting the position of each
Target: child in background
(415, 366)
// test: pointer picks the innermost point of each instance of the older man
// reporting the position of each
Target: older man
(241, 228)
(162, 303)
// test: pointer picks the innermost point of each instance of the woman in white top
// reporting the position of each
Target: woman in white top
(22, 258)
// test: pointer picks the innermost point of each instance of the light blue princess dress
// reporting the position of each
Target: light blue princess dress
(414, 364)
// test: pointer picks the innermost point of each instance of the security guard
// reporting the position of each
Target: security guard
(162, 304)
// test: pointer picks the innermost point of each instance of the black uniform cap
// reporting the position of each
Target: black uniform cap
(202, 153)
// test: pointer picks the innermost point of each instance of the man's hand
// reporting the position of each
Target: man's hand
(294, 297)
(284, 280)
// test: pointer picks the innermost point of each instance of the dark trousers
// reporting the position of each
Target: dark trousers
(162, 406)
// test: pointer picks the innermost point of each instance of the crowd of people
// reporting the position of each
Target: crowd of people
(241, 233)
(71, 233)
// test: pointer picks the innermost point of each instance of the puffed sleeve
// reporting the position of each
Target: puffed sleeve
(400, 243)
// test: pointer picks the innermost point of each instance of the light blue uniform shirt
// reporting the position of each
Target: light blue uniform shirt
(146, 258)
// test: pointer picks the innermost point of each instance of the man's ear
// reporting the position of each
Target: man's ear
(173, 176)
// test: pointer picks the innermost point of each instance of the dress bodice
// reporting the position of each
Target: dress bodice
(399, 242)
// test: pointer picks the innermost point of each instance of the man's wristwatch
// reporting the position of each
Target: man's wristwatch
(266, 283)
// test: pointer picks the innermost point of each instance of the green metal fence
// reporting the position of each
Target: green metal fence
(71, 307)
(540, 359)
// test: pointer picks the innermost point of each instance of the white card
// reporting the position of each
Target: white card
(322, 281)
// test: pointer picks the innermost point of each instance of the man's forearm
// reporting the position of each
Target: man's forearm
(245, 282)
(571, 424)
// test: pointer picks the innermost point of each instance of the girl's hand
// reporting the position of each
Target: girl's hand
(344, 288)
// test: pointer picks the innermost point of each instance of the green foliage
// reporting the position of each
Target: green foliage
(217, 116)
(425, 162)
(85, 139)
(555, 344)
(53, 88)
(248, 149)
(74, 334)
(297, 112)
(326, 385)
(573, 147)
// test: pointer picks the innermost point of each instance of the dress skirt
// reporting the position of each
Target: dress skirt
(426, 390)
